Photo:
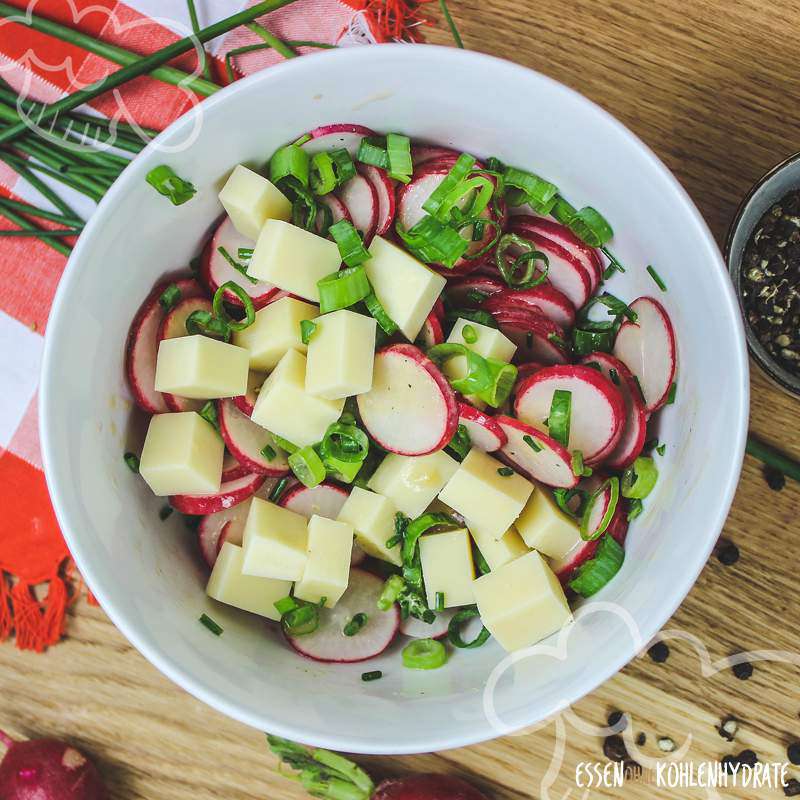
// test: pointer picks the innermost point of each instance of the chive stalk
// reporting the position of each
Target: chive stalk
(773, 457)
(278, 45)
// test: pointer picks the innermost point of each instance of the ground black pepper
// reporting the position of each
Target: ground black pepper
(743, 671)
(659, 652)
(771, 281)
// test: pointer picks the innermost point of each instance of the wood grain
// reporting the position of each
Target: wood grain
(713, 87)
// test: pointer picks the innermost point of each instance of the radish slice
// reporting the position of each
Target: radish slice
(417, 629)
(328, 643)
(438, 309)
(598, 410)
(463, 292)
(324, 500)
(431, 332)
(536, 337)
(216, 270)
(230, 494)
(551, 464)
(333, 137)
(546, 299)
(411, 408)
(384, 192)
(647, 348)
(561, 234)
(598, 512)
(141, 349)
(173, 326)
(225, 525)
(483, 431)
(246, 440)
(247, 402)
(631, 441)
(361, 201)
(527, 369)
(232, 469)
(338, 211)
(565, 272)
(425, 153)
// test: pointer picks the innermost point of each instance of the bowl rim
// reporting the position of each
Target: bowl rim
(428, 740)
(781, 377)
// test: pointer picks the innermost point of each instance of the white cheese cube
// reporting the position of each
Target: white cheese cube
(500, 551)
(489, 500)
(250, 200)
(275, 331)
(182, 455)
(546, 528)
(406, 288)
(491, 343)
(340, 355)
(521, 602)
(327, 572)
(293, 258)
(447, 567)
(201, 368)
(228, 585)
(411, 482)
(275, 542)
(372, 517)
(285, 408)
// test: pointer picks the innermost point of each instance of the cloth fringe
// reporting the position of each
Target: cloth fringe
(393, 20)
(37, 624)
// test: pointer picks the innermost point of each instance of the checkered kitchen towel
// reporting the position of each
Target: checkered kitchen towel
(34, 563)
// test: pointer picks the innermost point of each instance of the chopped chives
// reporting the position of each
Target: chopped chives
(394, 540)
(354, 625)
(209, 413)
(307, 328)
(454, 629)
(170, 296)
(672, 392)
(505, 472)
(639, 387)
(210, 624)
(439, 601)
(278, 490)
(164, 180)
(558, 423)
(470, 334)
(391, 592)
(657, 278)
(635, 509)
(661, 449)
(238, 266)
(217, 304)
(529, 340)
(371, 676)
(132, 460)
(165, 513)
(532, 443)
(475, 296)
(268, 452)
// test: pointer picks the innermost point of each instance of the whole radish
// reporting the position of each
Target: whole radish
(332, 777)
(47, 769)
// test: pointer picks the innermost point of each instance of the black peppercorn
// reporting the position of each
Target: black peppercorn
(641, 739)
(743, 671)
(793, 752)
(659, 652)
(614, 718)
(614, 748)
(792, 788)
(747, 757)
(728, 553)
(775, 479)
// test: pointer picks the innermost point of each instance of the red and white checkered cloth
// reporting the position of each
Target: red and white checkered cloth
(46, 68)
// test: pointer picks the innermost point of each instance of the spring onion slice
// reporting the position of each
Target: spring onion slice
(354, 625)
(307, 466)
(479, 374)
(301, 621)
(639, 478)
(346, 443)
(558, 422)
(343, 165)
(590, 226)
(285, 444)
(521, 273)
(304, 204)
(413, 604)
(461, 443)
(391, 592)
(164, 180)
(372, 150)
(351, 246)
(673, 390)
(503, 378)
(209, 623)
(635, 508)
(398, 150)
(611, 484)
(433, 242)
(594, 574)
(342, 471)
(616, 308)
(322, 174)
(343, 289)
(585, 342)
(218, 305)
(420, 526)
(563, 498)
(479, 188)
(386, 323)
(237, 265)
(454, 629)
(457, 173)
(307, 328)
(537, 192)
(290, 161)
(285, 605)
(170, 296)
(470, 334)
(424, 654)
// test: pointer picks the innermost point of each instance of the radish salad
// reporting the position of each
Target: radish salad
(394, 397)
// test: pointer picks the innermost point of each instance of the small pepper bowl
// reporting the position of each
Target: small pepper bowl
(767, 191)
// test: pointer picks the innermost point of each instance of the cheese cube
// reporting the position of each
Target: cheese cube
(521, 602)
(447, 567)
(340, 355)
(293, 258)
(275, 542)
(228, 585)
(372, 517)
(327, 572)
(201, 368)
(250, 200)
(182, 455)
(285, 408)
(406, 288)
(487, 499)
(411, 482)
(276, 330)
(546, 528)
(500, 551)
(491, 343)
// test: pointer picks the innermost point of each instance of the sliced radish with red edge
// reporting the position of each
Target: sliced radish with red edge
(546, 299)
(425, 153)
(230, 494)
(385, 194)
(247, 402)
(361, 200)
(483, 431)
(537, 338)
(232, 469)
(225, 525)
(325, 500)
(334, 137)
(337, 208)
(431, 332)
(246, 440)
(463, 292)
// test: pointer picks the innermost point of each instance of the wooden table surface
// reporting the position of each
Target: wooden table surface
(713, 87)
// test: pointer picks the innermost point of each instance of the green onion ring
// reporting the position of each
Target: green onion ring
(639, 478)
(307, 466)
(322, 176)
(247, 301)
(419, 526)
(479, 375)
(525, 260)
(613, 484)
(205, 323)
(424, 654)
(346, 443)
(454, 629)
(595, 573)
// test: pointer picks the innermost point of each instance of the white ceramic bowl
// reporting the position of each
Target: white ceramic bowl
(146, 574)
